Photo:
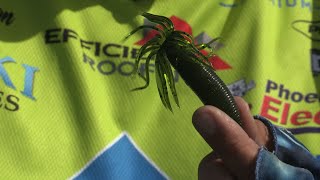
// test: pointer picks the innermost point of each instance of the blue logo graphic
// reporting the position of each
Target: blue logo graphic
(120, 160)
(28, 77)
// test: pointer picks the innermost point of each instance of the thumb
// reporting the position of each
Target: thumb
(237, 150)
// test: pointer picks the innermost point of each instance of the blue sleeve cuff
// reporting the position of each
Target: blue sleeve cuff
(270, 167)
(288, 158)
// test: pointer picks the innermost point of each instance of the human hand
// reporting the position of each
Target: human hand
(235, 148)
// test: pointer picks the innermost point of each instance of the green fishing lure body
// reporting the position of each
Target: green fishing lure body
(176, 48)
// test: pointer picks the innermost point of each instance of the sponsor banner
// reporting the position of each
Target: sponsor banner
(282, 108)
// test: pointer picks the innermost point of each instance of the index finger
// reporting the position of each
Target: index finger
(228, 139)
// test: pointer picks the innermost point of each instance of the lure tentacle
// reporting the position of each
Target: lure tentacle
(164, 26)
(142, 53)
(161, 83)
(155, 18)
(143, 27)
(147, 79)
(184, 34)
(170, 78)
(207, 45)
(153, 44)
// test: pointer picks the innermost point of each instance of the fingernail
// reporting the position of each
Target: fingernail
(204, 123)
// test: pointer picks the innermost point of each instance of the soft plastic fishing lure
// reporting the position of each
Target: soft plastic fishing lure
(177, 48)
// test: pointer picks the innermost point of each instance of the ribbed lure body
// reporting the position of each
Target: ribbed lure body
(204, 82)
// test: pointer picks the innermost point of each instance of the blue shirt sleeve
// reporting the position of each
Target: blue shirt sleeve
(289, 160)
